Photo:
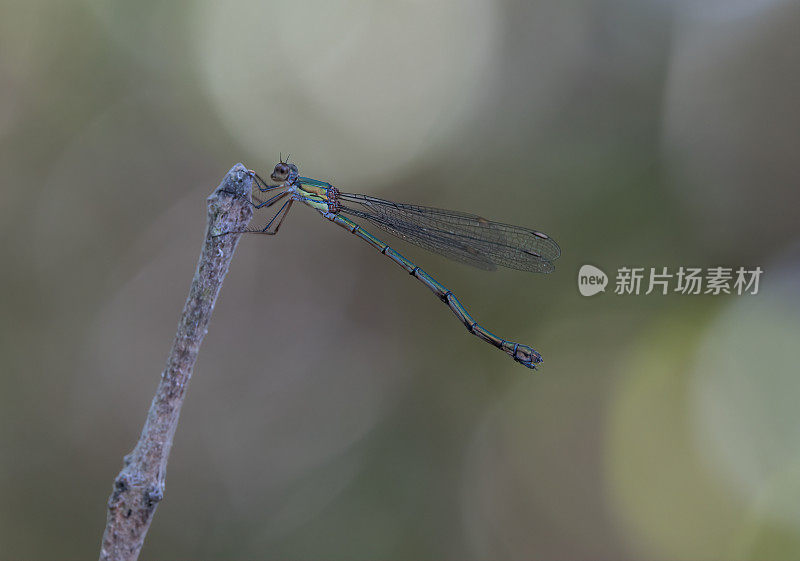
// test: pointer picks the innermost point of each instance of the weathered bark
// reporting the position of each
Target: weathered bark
(139, 487)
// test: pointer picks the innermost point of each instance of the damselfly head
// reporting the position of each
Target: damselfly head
(282, 171)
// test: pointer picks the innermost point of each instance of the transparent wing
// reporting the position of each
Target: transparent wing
(467, 238)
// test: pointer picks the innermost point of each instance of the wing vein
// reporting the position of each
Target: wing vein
(460, 236)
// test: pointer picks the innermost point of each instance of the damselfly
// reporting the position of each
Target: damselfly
(467, 238)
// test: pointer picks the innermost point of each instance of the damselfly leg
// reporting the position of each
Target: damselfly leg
(261, 184)
(282, 212)
(269, 202)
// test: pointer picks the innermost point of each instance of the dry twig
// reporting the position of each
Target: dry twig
(139, 487)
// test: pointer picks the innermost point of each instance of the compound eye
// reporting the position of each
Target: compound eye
(281, 172)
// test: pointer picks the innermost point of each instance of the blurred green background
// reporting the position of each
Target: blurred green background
(338, 411)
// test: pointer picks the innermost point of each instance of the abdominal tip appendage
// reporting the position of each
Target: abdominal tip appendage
(527, 356)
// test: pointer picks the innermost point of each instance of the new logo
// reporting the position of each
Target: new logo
(591, 280)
